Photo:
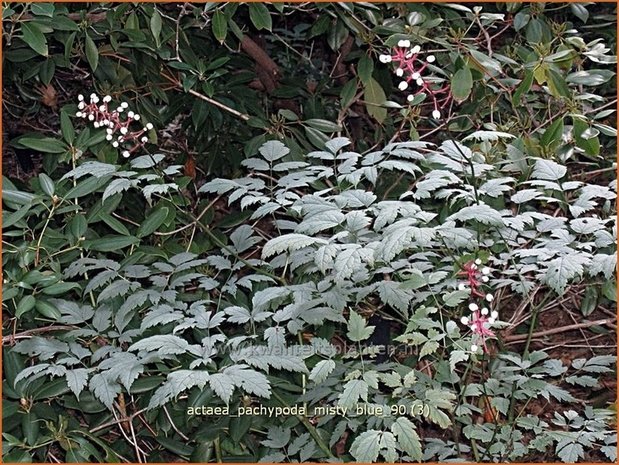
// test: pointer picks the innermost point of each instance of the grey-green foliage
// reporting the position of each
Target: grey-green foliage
(338, 244)
(346, 238)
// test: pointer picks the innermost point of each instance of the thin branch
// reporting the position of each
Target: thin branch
(30, 332)
(167, 414)
(179, 85)
(548, 332)
(117, 421)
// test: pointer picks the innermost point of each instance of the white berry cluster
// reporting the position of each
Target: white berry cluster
(117, 122)
(410, 68)
(481, 319)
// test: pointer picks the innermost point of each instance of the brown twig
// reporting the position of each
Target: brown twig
(117, 421)
(339, 70)
(548, 332)
(179, 85)
(30, 332)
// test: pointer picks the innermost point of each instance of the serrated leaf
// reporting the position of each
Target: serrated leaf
(31, 372)
(177, 382)
(76, 380)
(408, 439)
(162, 344)
(454, 298)
(116, 186)
(456, 357)
(354, 390)
(273, 149)
(104, 389)
(251, 381)
(366, 446)
(92, 168)
(146, 161)
(278, 437)
(569, 452)
(357, 328)
(563, 269)
(321, 371)
(393, 294)
(428, 348)
(481, 213)
(222, 385)
(548, 170)
(290, 243)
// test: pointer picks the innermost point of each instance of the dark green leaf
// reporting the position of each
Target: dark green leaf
(25, 305)
(115, 224)
(153, 221)
(47, 310)
(365, 68)
(260, 17)
(30, 426)
(33, 36)
(591, 146)
(18, 197)
(43, 9)
(77, 226)
(580, 11)
(9, 219)
(86, 187)
(60, 288)
(552, 134)
(521, 20)
(323, 125)
(92, 53)
(461, 84)
(47, 185)
(66, 127)
(538, 31)
(523, 88)
(374, 97)
(155, 25)
(348, 92)
(220, 26)
(557, 85)
(44, 144)
(110, 243)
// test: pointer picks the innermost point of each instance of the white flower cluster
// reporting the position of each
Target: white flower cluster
(102, 117)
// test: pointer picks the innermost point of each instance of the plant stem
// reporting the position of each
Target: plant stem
(310, 429)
